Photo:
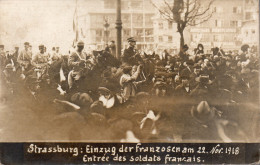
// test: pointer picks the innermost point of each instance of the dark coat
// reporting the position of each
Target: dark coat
(129, 56)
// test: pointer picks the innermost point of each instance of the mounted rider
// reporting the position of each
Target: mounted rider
(77, 61)
(40, 62)
(25, 57)
(40, 59)
(130, 53)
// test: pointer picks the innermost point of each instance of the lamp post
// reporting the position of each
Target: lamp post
(106, 26)
(119, 29)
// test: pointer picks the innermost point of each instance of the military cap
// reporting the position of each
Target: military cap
(131, 39)
(2, 46)
(41, 46)
(27, 43)
(80, 43)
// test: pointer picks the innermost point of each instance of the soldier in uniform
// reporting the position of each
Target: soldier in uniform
(24, 58)
(77, 61)
(55, 55)
(40, 59)
(78, 56)
(130, 53)
(16, 52)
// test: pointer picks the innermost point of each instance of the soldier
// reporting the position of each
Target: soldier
(77, 60)
(78, 57)
(24, 58)
(55, 55)
(40, 59)
(16, 52)
(130, 53)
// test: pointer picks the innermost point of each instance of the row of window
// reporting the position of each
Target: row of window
(235, 10)
(160, 24)
(217, 23)
(137, 19)
(216, 38)
(125, 4)
(162, 39)
(220, 23)
(127, 32)
(249, 32)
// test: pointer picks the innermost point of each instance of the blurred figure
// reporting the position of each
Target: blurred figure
(199, 50)
(126, 82)
(40, 59)
(24, 58)
(130, 53)
(112, 48)
(2, 57)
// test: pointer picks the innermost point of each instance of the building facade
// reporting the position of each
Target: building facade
(136, 16)
(222, 29)
(233, 23)
(250, 25)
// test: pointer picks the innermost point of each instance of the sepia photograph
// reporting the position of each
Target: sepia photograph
(129, 71)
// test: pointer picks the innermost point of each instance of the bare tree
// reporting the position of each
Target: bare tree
(185, 13)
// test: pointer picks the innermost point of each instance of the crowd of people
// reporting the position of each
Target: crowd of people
(135, 92)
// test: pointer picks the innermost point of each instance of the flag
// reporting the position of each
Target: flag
(75, 26)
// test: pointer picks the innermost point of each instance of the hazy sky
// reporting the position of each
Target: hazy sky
(46, 22)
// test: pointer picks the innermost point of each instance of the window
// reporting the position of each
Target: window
(217, 38)
(234, 23)
(249, 16)
(139, 32)
(197, 37)
(204, 38)
(124, 5)
(109, 4)
(126, 32)
(126, 18)
(219, 23)
(160, 25)
(170, 24)
(169, 38)
(239, 23)
(253, 31)
(98, 33)
(136, 4)
(218, 9)
(249, 2)
(234, 9)
(148, 32)
(237, 9)
(160, 39)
